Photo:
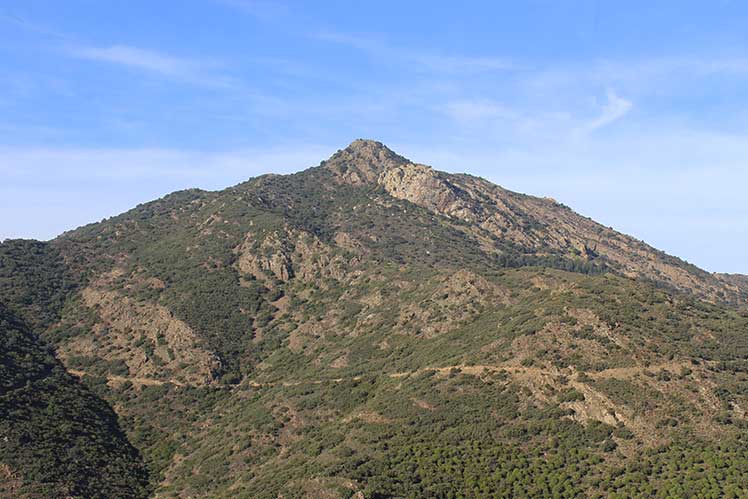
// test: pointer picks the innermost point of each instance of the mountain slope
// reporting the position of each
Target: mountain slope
(538, 225)
(741, 281)
(59, 439)
(373, 328)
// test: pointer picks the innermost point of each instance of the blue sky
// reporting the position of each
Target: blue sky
(632, 113)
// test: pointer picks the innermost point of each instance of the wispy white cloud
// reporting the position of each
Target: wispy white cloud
(179, 68)
(601, 70)
(614, 109)
(421, 60)
(36, 28)
(645, 74)
(454, 64)
(654, 67)
(534, 120)
(138, 58)
(156, 62)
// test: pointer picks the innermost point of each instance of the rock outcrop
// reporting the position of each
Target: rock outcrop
(145, 336)
(363, 162)
(290, 253)
(538, 225)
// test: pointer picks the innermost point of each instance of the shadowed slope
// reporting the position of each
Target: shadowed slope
(58, 438)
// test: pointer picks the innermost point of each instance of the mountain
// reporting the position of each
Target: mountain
(539, 226)
(373, 328)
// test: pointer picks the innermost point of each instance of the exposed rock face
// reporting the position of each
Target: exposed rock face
(363, 161)
(540, 225)
(543, 225)
(10, 482)
(738, 283)
(426, 187)
(147, 337)
(294, 253)
(268, 257)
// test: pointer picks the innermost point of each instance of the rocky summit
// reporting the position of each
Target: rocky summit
(368, 328)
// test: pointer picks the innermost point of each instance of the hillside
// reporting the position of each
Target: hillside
(373, 328)
(535, 225)
(58, 439)
(741, 281)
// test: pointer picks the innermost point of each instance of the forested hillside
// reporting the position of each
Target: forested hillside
(372, 328)
(58, 438)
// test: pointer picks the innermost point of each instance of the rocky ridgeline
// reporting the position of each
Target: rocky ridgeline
(540, 225)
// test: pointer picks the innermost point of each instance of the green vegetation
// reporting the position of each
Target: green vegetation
(35, 281)
(693, 470)
(424, 436)
(58, 438)
(365, 345)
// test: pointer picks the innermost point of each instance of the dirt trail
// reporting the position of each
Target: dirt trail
(542, 382)
(111, 378)
(616, 372)
(629, 372)
(474, 370)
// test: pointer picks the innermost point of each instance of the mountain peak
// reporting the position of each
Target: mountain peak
(366, 144)
(369, 148)
(363, 161)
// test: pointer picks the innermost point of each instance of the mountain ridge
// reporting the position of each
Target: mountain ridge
(516, 217)
(372, 327)
(461, 196)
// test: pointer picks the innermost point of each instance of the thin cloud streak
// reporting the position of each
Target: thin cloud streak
(615, 109)
(138, 58)
(642, 74)
(425, 61)
(151, 61)
(32, 27)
